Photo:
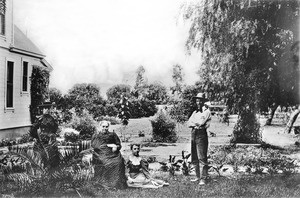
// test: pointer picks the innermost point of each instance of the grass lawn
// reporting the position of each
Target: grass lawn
(234, 185)
(181, 186)
(246, 186)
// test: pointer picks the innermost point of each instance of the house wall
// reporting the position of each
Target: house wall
(13, 121)
(7, 39)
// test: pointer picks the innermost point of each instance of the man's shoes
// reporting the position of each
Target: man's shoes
(202, 182)
(195, 179)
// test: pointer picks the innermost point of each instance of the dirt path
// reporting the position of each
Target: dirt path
(274, 135)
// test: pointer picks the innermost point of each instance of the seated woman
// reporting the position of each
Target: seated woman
(109, 163)
(138, 173)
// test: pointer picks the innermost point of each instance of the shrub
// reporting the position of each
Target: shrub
(142, 108)
(149, 107)
(85, 124)
(45, 129)
(25, 138)
(111, 109)
(163, 128)
(256, 160)
(181, 110)
(71, 137)
(247, 129)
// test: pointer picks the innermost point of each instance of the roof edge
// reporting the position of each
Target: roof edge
(46, 64)
(17, 50)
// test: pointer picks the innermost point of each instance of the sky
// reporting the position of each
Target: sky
(105, 41)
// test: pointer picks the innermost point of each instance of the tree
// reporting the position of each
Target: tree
(241, 44)
(141, 84)
(177, 77)
(124, 112)
(157, 92)
(294, 88)
(115, 92)
(57, 97)
(182, 110)
(86, 96)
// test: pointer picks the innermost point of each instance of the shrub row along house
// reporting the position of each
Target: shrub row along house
(18, 55)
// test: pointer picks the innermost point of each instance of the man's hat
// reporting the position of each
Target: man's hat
(201, 96)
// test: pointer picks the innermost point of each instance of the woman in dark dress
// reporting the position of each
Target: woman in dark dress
(109, 163)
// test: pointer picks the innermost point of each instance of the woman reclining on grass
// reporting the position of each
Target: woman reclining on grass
(138, 173)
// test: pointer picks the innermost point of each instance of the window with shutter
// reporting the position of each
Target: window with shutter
(10, 84)
(2, 16)
(25, 77)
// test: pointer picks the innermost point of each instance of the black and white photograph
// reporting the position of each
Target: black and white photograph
(149, 98)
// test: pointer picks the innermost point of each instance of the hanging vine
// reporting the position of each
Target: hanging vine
(38, 89)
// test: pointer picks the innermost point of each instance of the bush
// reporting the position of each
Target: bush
(85, 124)
(247, 129)
(181, 110)
(111, 109)
(255, 160)
(142, 108)
(149, 107)
(163, 128)
(71, 137)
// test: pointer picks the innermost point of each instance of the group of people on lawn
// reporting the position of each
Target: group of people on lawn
(111, 171)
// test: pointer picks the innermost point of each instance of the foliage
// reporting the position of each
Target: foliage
(182, 109)
(142, 108)
(163, 128)
(43, 169)
(247, 129)
(85, 124)
(110, 109)
(186, 166)
(157, 93)
(38, 90)
(241, 46)
(116, 92)
(140, 87)
(177, 77)
(45, 129)
(25, 138)
(57, 97)
(71, 137)
(85, 96)
(124, 113)
(256, 160)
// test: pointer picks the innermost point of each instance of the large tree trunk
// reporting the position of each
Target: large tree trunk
(271, 115)
(292, 120)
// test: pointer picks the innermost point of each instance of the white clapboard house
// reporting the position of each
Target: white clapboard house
(18, 55)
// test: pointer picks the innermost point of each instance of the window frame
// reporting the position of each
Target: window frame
(3, 16)
(26, 92)
(6, 86)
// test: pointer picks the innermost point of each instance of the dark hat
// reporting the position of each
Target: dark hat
(201, 96)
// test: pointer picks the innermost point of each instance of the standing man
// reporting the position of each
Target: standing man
(199, 122)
